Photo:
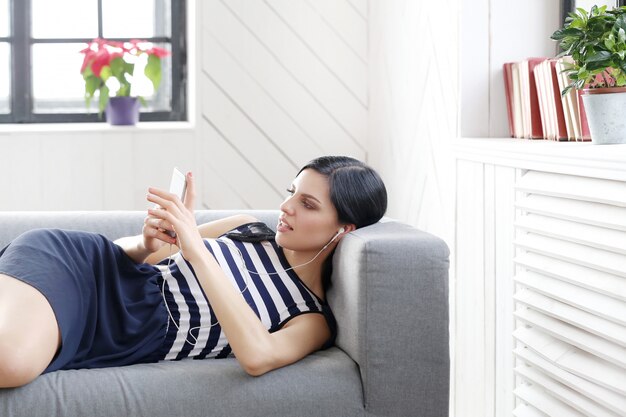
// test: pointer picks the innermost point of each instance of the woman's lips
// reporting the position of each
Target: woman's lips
(283, 227)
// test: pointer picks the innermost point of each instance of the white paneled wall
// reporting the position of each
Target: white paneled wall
(414, 109)
(488, 39)
(280, 82)
(274, 84)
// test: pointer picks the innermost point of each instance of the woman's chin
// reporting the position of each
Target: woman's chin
(280, 239)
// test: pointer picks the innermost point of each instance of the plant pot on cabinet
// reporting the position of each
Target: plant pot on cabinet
(122, 111)
(605, 109)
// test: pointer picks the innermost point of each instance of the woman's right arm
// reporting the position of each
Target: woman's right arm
(212, 229)
(153, 244)
(135, 247)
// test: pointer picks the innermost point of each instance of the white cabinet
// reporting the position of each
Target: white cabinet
(539, 290)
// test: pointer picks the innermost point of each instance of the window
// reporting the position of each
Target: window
(568, 6)
(45, 38)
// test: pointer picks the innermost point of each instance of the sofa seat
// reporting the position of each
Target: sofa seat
(326, 383)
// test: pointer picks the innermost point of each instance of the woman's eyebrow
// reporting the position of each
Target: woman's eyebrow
(311, 197)
(293, 187)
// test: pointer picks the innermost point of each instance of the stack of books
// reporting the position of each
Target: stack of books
(536, 109)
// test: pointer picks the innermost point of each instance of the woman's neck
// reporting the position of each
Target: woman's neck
(311, 273)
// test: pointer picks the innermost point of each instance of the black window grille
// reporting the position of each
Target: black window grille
(29, 55)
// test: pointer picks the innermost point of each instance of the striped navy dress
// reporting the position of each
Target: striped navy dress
(257, 270)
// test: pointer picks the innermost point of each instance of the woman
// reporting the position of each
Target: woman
(72, 299)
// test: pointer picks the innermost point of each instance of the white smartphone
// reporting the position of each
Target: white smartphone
(178, 186)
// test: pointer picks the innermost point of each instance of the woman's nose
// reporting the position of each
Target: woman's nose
(287, 206)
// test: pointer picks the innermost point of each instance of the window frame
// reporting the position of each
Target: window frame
(568, 6)
(21, 88)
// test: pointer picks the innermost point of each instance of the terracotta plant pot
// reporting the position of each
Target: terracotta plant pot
(122, 111)
(605, 109)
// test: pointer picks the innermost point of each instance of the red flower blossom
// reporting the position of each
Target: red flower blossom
(160, 52)
(89, 53)
(101, 59)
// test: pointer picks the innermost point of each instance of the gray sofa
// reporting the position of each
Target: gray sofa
(390, 298)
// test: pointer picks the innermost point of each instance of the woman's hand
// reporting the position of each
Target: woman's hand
(173, 215)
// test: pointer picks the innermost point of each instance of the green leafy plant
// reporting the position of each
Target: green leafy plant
(110, 65)
(596, 41)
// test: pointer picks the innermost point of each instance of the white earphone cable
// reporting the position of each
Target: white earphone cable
(243, 265)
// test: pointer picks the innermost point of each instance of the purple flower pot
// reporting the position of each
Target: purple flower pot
(122, 111)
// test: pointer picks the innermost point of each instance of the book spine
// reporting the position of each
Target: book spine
(506, 71)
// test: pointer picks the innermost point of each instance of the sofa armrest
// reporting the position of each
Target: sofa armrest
(390, 299)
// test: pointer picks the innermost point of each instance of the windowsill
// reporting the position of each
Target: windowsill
(93, 127)
(575, 158)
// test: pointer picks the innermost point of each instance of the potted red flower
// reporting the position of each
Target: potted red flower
(108, 68)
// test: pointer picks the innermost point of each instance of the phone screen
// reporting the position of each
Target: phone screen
(178, 184)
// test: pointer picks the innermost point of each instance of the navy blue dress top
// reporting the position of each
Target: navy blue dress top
(112, 311)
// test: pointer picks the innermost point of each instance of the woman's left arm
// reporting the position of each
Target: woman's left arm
(257, 350)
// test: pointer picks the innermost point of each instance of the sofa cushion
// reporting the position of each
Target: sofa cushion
(326, 383)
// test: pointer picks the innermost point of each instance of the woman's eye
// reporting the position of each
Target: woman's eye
(306, 205)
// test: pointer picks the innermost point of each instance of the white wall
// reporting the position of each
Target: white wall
(414, 107)
(280, 82)
(274, 83)
(494, 32)
(88, 167)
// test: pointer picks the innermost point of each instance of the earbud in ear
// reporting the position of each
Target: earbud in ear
(341, 230)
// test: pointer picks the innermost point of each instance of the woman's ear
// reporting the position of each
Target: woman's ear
(347, 228)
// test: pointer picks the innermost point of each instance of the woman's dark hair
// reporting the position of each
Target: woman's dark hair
(356, 190)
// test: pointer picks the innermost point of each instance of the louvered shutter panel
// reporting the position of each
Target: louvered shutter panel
(570, 298)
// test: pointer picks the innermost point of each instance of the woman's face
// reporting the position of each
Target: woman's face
(308, 220)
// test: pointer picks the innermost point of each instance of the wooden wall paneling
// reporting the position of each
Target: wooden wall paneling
(255, 103)
(246, 140)
(413, 103)
(244, 179)
(347, 22)
(214, 192)
(469, 328)
(217, 192)
(304, 66)
(278, 82)
(325, 45)
(361, 6)
(155, 154)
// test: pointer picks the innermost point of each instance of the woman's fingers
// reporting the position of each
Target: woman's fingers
(152, 223)
(157, 223)
(164, 199)
(190, 194)
(153, 232)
